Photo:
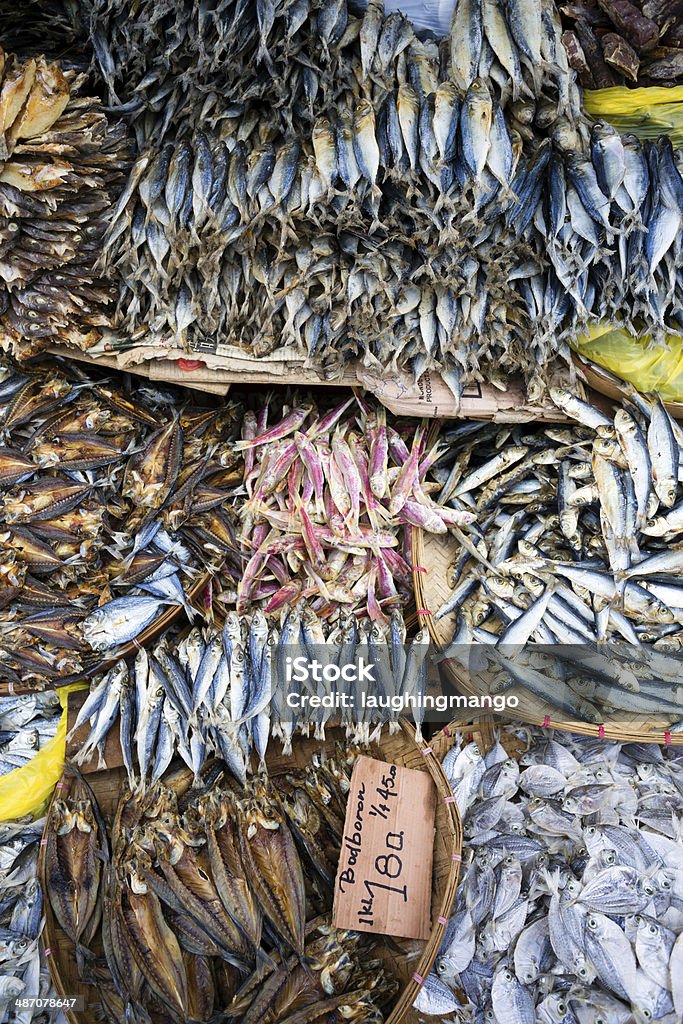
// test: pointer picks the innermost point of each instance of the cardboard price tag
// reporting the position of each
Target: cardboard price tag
(384, 878)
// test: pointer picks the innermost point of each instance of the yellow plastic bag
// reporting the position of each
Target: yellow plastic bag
(633, 358)
(647, 113)
(26, 791)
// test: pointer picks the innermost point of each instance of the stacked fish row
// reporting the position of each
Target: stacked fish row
(23, 970)
(27, 723)
(291, 60)
(224, 693)
(98, 498)
(214, 903)
(570, 580)
(330, 500)
(616, 42)
(61, 164)
(570, 905)
(408, 188)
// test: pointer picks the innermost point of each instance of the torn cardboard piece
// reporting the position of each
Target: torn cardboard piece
(384, 877)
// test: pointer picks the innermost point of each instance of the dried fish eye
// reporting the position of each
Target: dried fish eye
(562, 1009)
(583, 973)
(665, 883)
(441, 967)
(507, 975)
(592, 923)
(510, 859)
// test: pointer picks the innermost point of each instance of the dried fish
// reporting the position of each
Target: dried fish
(105, 505)
(567, 586)
(63, 163)
(194, 874)
(566, 909)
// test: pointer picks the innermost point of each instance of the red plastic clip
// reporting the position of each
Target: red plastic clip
(446, 731)
(667, 738)
(457, 858)
(546, 722)
(419, 568)
(601, 732)
(443, 921)
(449, 799)
(418, 979)
(423, 611)
(427, 750)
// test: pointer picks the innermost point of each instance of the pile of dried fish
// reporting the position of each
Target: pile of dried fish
(103, 494)
(570, 905)
(214, 902)
(61, 165)
(27, 723)
(223, 693)
(329, 495)
(23, 970)
(624, 42)
(570, 580)
(363, 195)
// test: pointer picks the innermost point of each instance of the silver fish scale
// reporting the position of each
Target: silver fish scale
(592, 935)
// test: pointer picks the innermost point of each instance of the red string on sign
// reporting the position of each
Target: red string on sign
(188, 365)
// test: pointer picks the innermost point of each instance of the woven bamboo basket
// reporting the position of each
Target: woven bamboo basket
(95, 663)
(436, 554)
(415, 959)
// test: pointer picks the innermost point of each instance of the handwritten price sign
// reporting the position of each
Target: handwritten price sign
(384, 878)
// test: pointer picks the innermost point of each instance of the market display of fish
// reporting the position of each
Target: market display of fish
(331, 497)
(620, 42)
(569, 908)
(568, 584)
(23, 968)
(27, 723)
(364, 194)
(223, 693)
(61, 165)
(215, 901)
(108, 513)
